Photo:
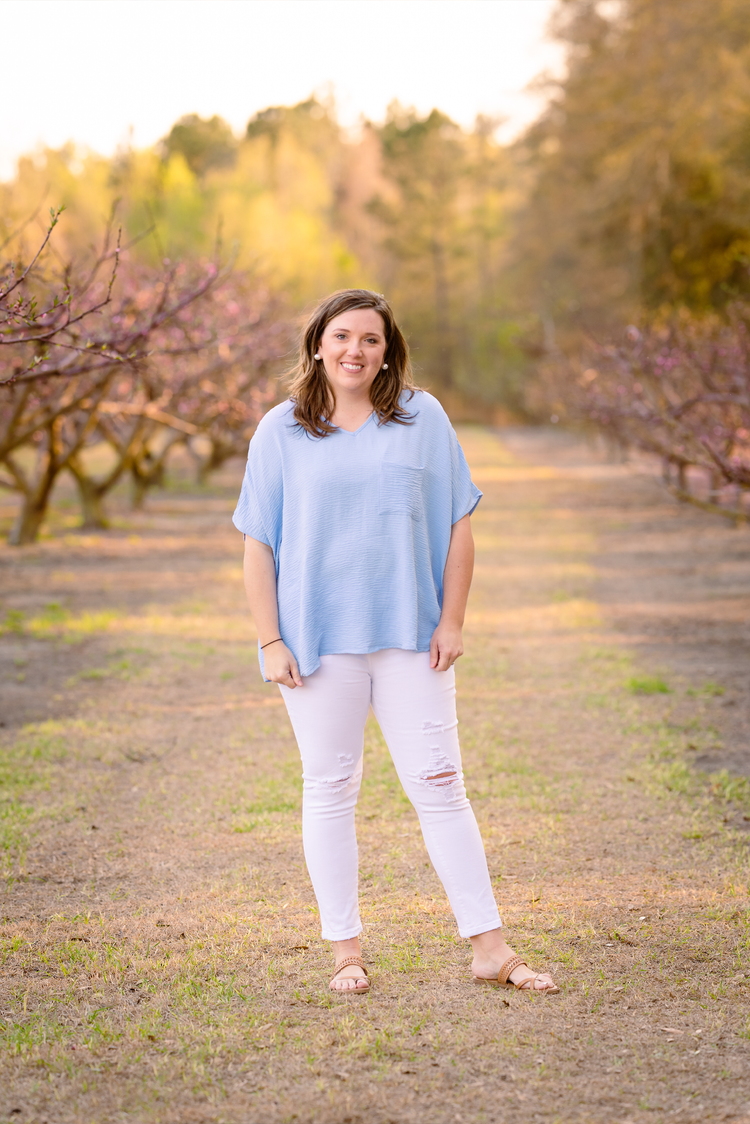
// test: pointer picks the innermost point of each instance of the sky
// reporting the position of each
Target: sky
(103, 73)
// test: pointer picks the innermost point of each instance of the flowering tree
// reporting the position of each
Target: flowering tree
(681, 391)
(157, 359)
(207, 391)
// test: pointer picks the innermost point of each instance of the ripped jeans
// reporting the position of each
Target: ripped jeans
(416, 709)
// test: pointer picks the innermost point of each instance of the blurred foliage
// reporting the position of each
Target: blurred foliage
(202, 144)
(639, 198)
(629, 197)
(416, 207)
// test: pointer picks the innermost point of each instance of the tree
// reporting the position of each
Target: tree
(639, 197)
(680, 390)
(204, 143)
(93, 362)
(442, 211)
(425, 161)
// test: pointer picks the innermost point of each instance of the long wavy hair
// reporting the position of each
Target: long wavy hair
(310, 388)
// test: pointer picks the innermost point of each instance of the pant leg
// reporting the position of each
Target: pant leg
(416, 709)
(328, 715)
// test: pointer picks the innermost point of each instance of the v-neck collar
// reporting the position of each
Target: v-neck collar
(354, 432)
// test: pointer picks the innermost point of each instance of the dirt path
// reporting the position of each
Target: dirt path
(160, 950)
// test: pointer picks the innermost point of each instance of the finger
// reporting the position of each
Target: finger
(434, 653)
(294, 673)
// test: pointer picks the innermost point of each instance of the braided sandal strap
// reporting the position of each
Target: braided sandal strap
(509, 966)
(350, 960)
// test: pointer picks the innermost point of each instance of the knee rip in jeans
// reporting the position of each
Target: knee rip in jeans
(340, 779)
(431, 728)
(441, 773)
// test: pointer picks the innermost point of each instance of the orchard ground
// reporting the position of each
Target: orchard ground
(161, 957)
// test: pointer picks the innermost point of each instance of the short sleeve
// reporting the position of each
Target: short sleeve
(466, 495)
(259, 508)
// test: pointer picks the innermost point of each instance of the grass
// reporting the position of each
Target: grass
(709, 690)
(647, 685)
(159, 940)
(26, 768)
(55, 622)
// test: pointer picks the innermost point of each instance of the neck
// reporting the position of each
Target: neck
(351, 411)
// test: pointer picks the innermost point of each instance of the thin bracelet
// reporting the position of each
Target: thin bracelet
(270, 642)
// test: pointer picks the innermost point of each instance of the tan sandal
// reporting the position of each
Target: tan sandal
(502, 980)
(358, 990)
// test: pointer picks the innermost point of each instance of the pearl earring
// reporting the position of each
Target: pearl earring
(385, 366)
(316, 355)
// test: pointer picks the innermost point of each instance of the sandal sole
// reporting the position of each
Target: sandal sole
(512, 987)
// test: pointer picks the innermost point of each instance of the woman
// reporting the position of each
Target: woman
(355, 510)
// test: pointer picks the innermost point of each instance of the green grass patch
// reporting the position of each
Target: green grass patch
(647, 685)
(709, 690)
(733, 790)
(273, 798)
(25, 765)
(55, 622)
(13, 622)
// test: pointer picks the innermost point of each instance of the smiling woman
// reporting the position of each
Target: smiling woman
(353, 360)
(355, 510)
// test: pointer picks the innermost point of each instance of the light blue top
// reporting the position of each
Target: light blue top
(359, 524)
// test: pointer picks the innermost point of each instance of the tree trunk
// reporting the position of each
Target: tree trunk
(91, 496)
(34, 507)
(37, 491)
(92, 505)
(147, 471)
(142, 481)
(219, 453)
(442, 315)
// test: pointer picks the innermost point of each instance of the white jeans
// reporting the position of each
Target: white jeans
(416, 709)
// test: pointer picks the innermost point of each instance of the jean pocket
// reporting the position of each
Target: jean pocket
(401, 489)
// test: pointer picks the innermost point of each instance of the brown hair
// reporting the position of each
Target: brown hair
(310, 389)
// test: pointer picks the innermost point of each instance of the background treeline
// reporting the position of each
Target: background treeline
(626, 203)
(417, 208)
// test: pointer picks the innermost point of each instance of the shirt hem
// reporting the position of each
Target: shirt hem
(360, 652)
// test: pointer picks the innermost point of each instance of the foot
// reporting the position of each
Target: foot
(490, 953)
(352, 977)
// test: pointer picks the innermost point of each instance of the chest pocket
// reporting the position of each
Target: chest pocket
(400, 489)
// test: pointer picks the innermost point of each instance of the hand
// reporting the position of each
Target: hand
(446, 646)
(280, 665)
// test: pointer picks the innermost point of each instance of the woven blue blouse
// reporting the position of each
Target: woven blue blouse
(359, 524)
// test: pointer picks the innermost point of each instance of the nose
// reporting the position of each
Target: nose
(354, 348)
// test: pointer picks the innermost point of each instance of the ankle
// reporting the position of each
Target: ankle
(490, 945)
(342, 949)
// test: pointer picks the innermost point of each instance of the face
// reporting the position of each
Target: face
(352, 348)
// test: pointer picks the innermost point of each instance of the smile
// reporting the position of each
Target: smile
(352, 366)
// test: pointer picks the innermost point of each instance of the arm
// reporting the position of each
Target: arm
(260, 586)
(446, 644)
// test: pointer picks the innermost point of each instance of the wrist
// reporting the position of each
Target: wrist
(272, 640)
